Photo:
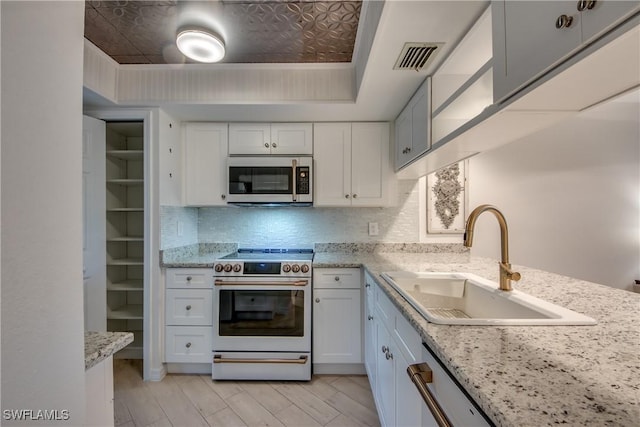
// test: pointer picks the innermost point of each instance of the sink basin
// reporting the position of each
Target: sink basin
(467, 299)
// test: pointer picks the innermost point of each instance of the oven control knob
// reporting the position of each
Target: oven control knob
(218, 268)
(295, 268)
(304, 268)
(227, 268)
(237, 268)
(286, 268)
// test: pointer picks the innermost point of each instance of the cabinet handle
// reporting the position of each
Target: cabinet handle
(346, 196)
(273, 145)
(355, 195)
(188, 307)
(586, 4)
(266, 145)
(337, 278)
(421, 375)
(188, 345)
(370, 317)
(389, 355)
(367, 285)
(189, 278)
(317, 299)
(564, 21)
(385, 349)
(223, 196)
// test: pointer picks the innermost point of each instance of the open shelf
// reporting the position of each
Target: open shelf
(125, 232)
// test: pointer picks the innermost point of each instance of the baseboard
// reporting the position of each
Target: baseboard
(339, 369)
(189, 368)
(157, 374)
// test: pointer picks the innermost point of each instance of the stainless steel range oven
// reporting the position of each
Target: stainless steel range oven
(262, 315)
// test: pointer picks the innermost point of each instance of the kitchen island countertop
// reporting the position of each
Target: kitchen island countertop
(98, 346)
(530, 375)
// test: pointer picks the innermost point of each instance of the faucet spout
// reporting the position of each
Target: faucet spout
(506, 274)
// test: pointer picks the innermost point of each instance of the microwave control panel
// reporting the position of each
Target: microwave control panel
(302, 180)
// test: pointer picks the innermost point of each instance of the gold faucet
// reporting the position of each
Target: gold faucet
(506, 274)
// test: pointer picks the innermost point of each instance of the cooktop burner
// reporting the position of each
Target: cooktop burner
(271, 254)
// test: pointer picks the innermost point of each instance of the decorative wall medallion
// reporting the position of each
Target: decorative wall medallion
(446, 200)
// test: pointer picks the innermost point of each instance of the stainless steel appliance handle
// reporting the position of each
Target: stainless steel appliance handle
(294, 164)
(219, 282)
(300, 361)
(421, 375)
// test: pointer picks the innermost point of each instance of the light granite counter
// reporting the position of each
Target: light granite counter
(100, 345)
(200, 255)
(530, 375)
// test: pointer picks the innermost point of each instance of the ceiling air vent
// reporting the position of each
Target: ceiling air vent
(415, 56)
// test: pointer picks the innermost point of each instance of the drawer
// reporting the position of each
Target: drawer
(189, 278)
(188, 344)
(408, 340)
(189, 307)
(337, 278)
(386, 308)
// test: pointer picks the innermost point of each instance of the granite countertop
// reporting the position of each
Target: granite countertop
(200, 255)
(100, 345)
(530, 375)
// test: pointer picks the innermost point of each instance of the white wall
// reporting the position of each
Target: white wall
(570, 194)
(42, 304)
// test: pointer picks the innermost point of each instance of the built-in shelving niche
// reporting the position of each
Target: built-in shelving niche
(125, 232)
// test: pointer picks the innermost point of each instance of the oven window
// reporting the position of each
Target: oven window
(261, 313)
(260, 180)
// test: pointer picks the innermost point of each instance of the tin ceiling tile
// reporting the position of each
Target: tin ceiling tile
(256, 31)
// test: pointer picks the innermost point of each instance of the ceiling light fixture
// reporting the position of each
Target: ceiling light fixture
(200, 44)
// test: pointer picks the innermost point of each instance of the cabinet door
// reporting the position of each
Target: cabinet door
(249, 138)
(188, 344)
(404, 134)
(604, 15)
(369, 334)
(531, 42)
(385, 372)
(205, 156)
(420, 117)
(189, 307)
(370, 171)
(337, 310)
(291, 138)
(332, 164)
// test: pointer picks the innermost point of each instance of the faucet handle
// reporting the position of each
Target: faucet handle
(507, 275)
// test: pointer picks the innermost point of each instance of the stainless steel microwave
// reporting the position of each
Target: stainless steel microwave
(270, 180)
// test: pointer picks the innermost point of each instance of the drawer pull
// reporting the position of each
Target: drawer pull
(337, 278)
(188, 307)
(300, 361)
(421, 375)
(188, 345)
(189, 278)
(385, 349)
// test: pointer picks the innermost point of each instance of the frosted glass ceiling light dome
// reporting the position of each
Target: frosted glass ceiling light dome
(200, 45)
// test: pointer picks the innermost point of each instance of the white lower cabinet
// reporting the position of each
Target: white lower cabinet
(337, 321)
(188, 315)
(391, 346)
(99, 394)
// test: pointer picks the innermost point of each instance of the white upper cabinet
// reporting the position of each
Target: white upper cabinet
(351, 164)
(413, 135)
(274, 139)
(530, 37)
(205, 157)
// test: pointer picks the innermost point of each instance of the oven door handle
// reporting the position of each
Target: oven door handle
(421, 374)
(300, 361)
(219, 282)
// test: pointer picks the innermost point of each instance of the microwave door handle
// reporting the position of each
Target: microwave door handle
(294, 164)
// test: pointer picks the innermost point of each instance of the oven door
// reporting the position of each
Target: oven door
(262, 314)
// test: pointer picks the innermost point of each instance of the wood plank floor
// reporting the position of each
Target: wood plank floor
(196, 400)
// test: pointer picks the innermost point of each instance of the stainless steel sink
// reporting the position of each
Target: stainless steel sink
(467, 299)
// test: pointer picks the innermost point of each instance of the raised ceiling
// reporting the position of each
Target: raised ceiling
(257, 31)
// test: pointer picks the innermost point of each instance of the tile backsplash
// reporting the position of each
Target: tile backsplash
(289, 227)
